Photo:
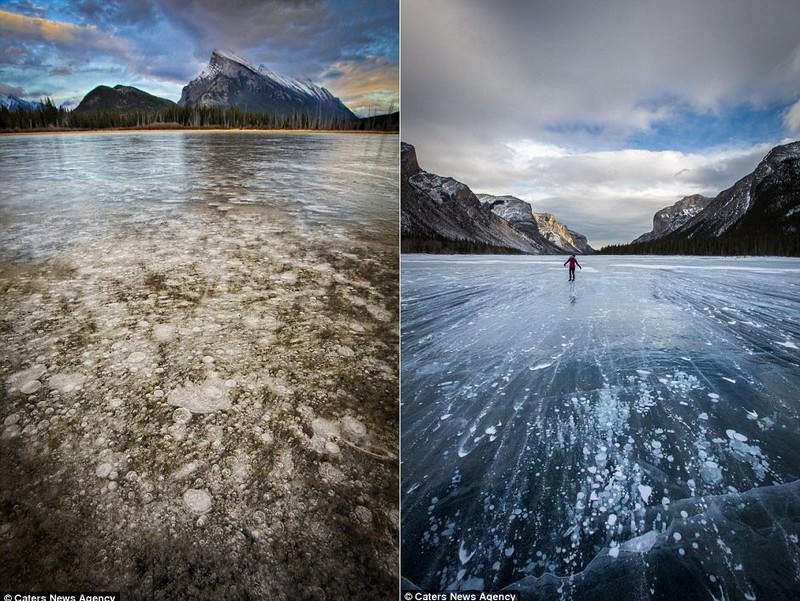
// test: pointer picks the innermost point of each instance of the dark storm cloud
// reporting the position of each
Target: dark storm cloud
(248, 23)
(613, 64)
(296, 37)
(115, 13)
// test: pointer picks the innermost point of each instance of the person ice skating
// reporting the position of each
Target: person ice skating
(572, 263)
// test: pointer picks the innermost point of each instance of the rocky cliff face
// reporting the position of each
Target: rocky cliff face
(762, 204)
(444, 210)
(230, 81)
(519, 214)
(669, 219)
(516, 212)
(560, 235)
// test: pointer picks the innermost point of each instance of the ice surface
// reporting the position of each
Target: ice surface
(164, 362)
(732, 555)
(327, 183)
(661, 372)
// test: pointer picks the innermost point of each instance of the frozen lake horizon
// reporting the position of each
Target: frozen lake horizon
(632, 432)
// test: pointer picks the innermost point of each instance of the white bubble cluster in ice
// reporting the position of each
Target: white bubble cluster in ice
(104, 470)
(30, 387)
(185, 471)
(206, 397)
(362, 516)
(137, 357)
(163, 332)
(330, 473)
(181, 415)
(352, 429)
(197, 501)
(25, 378)
(64, 383)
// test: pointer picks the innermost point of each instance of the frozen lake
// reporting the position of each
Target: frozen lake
(60, 189)
(199, 364)
(632, 435)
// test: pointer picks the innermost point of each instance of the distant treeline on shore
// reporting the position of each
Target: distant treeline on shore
(784, 245)
(50, 117)
(439, 245)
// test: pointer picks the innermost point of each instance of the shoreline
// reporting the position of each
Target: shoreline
(41, 132)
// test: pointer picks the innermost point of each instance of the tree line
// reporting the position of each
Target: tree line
(50, 117)
(435, 244)
(782, 245)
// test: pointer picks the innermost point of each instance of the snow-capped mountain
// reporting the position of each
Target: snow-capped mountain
(231, 81)
(13, 103)
(763, 204)
(521, 216)
(669, 219)
(767, 201)
(443, 213)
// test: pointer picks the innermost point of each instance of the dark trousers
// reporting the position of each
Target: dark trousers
(571, 273)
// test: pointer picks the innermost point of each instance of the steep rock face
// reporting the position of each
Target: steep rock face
(514, 210)
(560, 235)
(230, 81)
(521, 216)
(122, 99)
(669, 219)
(441, 208)
(765, 202)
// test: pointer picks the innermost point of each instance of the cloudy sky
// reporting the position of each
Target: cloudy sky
(64, 49)
(599, 112)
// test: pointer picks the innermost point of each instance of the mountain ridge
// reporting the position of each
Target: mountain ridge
(670, 218)
(521, 216)
(12, 102)
(230, 81)
(121, 98)
(757, 215)
(726, 211)
(442, 215)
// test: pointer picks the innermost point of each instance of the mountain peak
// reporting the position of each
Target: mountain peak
(121, 98)
(522, 217)
(231, 81)
(218, 55)
(671, 218)
(764, 204)
(441, 214)
(13, 103)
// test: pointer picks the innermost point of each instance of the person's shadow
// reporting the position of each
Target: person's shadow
(573, 298)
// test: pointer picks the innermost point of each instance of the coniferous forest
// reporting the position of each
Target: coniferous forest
(51, 118)
(440, 245)
(782, 245)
